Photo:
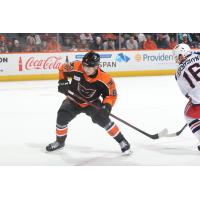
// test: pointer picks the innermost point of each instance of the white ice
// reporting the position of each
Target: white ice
(28, 114)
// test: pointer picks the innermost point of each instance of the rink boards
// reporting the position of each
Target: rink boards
(44, 66)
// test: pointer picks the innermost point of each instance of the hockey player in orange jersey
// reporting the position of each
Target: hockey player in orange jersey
(90, 83)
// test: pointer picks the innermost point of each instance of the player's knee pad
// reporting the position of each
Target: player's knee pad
(66, 113)
(101, 121)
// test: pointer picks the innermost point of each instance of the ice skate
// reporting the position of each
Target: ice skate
(125, 147)
(55, 146)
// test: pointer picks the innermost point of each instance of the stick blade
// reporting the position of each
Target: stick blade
(163, 133)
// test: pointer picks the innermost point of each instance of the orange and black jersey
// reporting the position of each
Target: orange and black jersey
(88, 87)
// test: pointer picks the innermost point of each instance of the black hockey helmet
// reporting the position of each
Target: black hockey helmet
(91, 59)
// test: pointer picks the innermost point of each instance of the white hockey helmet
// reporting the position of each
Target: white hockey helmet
(181, 49)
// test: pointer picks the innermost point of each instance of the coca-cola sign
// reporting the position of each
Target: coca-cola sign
(52, 62)
(33, 63)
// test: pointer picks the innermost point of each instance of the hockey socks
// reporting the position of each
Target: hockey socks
(194, 125)
(114, 131)
(61, 135)
(195, 128)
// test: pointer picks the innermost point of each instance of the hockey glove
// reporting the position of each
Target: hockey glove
(105, 110)
(63, 86)
(187, 96)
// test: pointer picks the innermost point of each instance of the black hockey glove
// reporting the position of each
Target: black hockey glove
(63, 86)
(105, 110)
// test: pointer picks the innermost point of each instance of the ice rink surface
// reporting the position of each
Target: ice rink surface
(28, 115)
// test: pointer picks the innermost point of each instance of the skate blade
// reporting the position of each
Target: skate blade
(127, 153)
(60, 149)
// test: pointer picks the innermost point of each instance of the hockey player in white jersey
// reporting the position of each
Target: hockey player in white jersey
(188, 79)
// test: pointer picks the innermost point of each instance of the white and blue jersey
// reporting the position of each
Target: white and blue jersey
(188, 77)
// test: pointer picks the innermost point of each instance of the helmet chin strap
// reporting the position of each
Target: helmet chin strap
(93, 75)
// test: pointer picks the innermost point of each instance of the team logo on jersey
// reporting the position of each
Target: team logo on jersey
(77, 78)
(87, 93)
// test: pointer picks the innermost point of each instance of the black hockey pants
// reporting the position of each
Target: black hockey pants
(69, 110)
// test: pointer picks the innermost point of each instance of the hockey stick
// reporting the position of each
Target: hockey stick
(162, 133)
(176, 133)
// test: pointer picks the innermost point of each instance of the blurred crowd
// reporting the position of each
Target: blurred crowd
(58, 42)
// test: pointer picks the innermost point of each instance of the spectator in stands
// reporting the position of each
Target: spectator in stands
(166, 37)
(97, 41)
(2, 38)
(161, 42)
(154, 36)
(109, 45)
(109, 36)
(9, 46)
(84, 45)
(172, 43)
(86, 37)
(78, 43)
(131, 43)
(30, 44)
(30, 39)
(141, 39)
(74, 46)
(97, 44)
(3, 47)
(45, 39)
(67, 43)
(185, 38)
(16, 46)
(120, 43)
(149, 44)
(53, 45)
(38, 42)
(126, 36)
(196, 40)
